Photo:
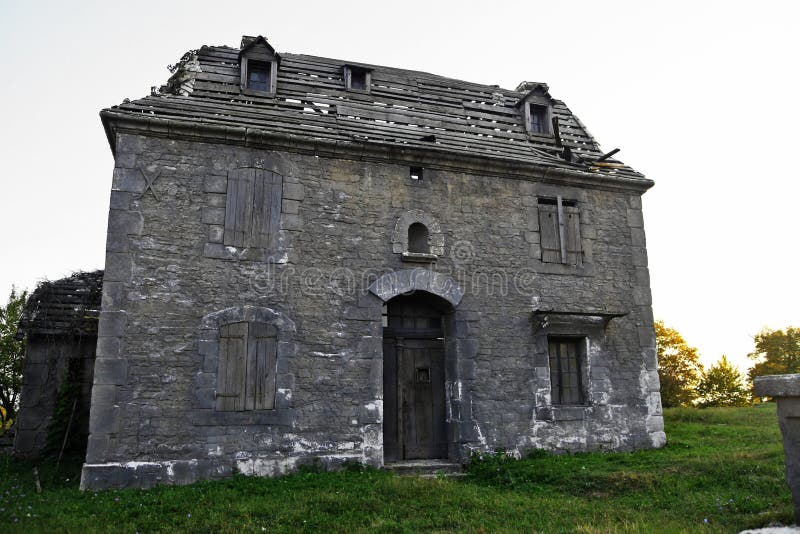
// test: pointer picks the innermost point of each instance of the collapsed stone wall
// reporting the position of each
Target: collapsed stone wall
(166, 269)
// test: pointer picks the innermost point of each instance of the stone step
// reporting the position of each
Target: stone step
(425, 468)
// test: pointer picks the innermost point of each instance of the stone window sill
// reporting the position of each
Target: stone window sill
(419, 257)
(587, 269)
(562, 412)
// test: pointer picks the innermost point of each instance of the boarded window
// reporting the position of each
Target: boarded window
(246, 375)
(252, 208)
(565, 371)
(560, 231)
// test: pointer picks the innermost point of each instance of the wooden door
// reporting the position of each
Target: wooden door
(414, 393)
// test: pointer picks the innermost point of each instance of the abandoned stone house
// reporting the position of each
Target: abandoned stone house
(310, 258)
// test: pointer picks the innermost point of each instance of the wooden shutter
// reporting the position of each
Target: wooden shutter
(261, 352)
(239, 207)
(252, 208)
(550, 237)
(266, 209)
(573, 229)
(232, 374)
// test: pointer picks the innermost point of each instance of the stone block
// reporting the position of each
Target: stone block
(104, 420)
(213, 215)
(290, 206)
(216, 200)
(111, 371)
(293, 191)
(216, 233)
(112, 323)
(114, 296)
(104, 394)
(777, 385)
(123, 223)
(118, 267)
(120, 200)
(130, 180)
(635, 219)
(533, 219)
(638, 237)
(108, 347)
(291, 222)
(215, 184)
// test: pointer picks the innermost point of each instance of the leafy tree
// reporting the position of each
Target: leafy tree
(679, 367)
(723, 385)
(777, 352)
(11, 353)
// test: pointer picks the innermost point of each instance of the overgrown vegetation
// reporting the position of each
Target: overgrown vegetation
(722, 385)
(722, 471)
(776, 352)
(12, 352)
(679, 367)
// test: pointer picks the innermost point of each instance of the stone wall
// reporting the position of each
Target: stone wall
(47, 359)
(166, 269)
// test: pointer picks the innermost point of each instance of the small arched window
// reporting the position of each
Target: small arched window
(418, 239)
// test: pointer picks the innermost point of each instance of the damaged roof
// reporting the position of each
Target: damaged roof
(70, 306)
(403, 109)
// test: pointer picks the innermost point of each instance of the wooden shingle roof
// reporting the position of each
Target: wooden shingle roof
(403, 108)
(70, 307)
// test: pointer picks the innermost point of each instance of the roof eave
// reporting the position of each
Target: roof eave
(106, 116)
(119, 121)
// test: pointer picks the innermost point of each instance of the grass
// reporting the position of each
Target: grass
(721, 471)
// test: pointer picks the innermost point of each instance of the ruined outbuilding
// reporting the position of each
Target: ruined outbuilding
(317, 259)
(59, 326)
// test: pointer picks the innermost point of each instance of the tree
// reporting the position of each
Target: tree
(777, 352)
(12, 352)
(679, 367)
(723, 385)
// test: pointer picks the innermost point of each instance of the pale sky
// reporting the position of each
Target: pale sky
(701, 97)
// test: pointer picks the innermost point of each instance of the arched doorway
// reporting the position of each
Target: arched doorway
(414, 424)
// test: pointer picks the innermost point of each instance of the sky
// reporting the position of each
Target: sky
(700, 96)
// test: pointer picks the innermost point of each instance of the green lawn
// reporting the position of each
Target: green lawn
(722, 471)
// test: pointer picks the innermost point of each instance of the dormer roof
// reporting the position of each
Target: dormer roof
(253, 44)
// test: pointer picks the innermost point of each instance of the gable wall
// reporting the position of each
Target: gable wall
(152, 407)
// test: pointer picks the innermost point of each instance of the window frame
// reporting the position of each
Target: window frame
(249, 70)
(568, 231)
(546, 107)
(347, 74)
(578, 343)
(255, 221)
(256, 390)
(263, 53)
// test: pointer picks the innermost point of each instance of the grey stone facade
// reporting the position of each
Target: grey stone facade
(171, 282)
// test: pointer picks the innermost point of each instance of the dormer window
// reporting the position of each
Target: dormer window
(357, 78)
(536, 108)
(539, 117)
(259, 75)
(259, 66)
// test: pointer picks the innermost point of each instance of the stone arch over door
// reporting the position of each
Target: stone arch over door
(461, 346)
(404, 281)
